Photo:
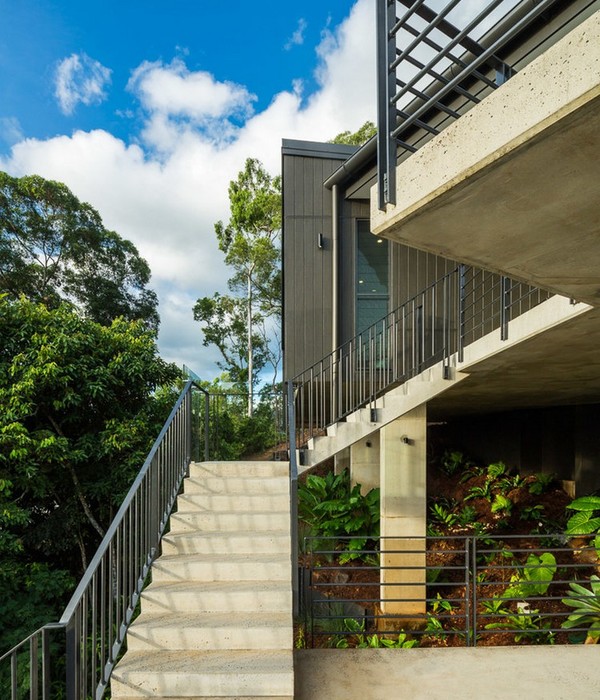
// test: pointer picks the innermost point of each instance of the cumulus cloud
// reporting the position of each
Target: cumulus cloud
(297, 38)
(80, 78)
(166, 191)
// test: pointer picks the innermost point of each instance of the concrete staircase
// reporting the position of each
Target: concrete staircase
(216, 621)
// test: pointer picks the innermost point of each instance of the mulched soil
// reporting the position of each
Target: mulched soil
(359, 583)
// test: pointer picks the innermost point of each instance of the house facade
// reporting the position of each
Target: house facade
(480, 227)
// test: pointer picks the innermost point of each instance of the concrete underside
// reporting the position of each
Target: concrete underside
(503, 673)
(513, 185)
(560, 366)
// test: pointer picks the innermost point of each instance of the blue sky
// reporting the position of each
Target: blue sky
(147, 110)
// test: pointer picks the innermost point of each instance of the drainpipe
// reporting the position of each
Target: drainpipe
(335, 230)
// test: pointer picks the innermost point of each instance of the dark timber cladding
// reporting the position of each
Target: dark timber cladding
(307, 251)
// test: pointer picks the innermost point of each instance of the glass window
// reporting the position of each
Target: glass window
(372, 292)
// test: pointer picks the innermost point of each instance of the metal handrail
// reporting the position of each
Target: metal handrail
(433, 326)
(96, 618)
(458, 69)
(291, 423)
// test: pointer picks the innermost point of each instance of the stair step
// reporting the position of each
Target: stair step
(242, 469)
(218, 596)
(236, 484)
(210, 631)
(222, 567)
(229, 521)
(231, 542)
(229, 502)
(200, 673)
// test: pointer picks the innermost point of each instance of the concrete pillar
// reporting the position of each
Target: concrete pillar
(403, 514)
(364, 463)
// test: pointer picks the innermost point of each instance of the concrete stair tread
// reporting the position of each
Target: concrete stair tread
(251, 469)
(167, 560)
(211, 630)
(230, 502)
(200, 673)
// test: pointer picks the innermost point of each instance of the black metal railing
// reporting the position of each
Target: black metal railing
(74, 658)
(455, 590)
(458, 309)
(437, 61)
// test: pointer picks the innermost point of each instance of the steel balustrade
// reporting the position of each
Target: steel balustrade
(87, 640)
(434, 62)
(439, 322)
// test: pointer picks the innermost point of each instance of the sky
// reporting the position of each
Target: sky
(147, 110)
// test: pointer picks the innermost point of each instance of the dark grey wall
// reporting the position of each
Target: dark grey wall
(307, 269)
(563, 440)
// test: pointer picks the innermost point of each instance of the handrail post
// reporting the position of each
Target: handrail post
(293, 498)
(206, 426)
(505, 305)
(72, 669)
(462, 274)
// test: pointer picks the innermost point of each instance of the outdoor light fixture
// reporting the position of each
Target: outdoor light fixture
(320, 240)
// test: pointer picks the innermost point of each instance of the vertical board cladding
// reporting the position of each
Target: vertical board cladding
(307, 267)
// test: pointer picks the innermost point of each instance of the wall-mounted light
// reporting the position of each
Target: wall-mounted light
(320, 240)
(405, 440)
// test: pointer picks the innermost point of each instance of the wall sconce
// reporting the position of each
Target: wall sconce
(405, 440)
(320, 241)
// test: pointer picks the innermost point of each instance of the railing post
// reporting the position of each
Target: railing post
(206, 426)
(505, 308)
(462, 274)
(386, 110)
(73, 661)
(293, 497)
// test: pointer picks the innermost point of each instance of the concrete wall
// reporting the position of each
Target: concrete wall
(501, 673)
(562, 440)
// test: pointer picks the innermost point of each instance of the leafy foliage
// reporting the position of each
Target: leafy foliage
(54, 248)
(357, 138)
(80, 405)
(587, 608)
(586, 519)
(331, 509)
(534, 578)
(359, 640)
(241, 325)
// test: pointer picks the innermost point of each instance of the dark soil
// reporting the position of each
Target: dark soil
(506, 539)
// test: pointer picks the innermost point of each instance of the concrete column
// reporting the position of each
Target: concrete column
(404, 513)
(364, 463)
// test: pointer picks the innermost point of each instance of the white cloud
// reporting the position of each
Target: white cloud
(80, 78)
(166, 192)
(297, 38)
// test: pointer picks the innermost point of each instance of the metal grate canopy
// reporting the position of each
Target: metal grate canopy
(436, 60)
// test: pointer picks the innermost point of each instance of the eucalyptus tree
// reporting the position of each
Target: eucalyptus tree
(240, 324)
(54, 247)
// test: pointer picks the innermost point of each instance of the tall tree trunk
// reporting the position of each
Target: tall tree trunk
(250, 351)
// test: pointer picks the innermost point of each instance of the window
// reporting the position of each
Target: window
(372, 291)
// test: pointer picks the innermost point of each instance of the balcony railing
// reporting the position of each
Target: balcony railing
(436, 60)
(441, 321)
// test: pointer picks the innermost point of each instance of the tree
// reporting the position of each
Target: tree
(239, 324)
(80, 405)
(358, 138)
(54, 247)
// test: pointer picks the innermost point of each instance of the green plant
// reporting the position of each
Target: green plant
(586, 519)
(587, 608)
(331, 509)
(484, 491)
(501, 504)
(534, 578)
(526, 625)
(493, 606)
(440, 604)
(372, 641)
(471, 472)
(496, 470)
(467, 516)
(453, 461)
(443, 515)
(541, 483)
(433, 627)
(535, 512)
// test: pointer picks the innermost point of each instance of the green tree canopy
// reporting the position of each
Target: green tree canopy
(241, 325)
(358, 138)
(54, 247)
(80, 406)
